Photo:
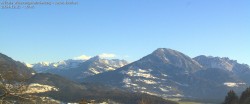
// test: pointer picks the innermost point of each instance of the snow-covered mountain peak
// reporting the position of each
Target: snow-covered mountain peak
(80, 68)
(44, 63)
(44, 66)
(216, 62)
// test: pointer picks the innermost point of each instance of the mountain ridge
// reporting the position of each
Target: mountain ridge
(169, 73)
(76, 70)
(52, 88)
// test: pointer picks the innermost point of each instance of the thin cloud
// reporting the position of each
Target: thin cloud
(82, 57)
(107, 55)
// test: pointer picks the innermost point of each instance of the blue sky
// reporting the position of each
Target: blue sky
(130, 29)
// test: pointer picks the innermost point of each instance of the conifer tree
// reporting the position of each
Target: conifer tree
(245, 97)
(231, 98)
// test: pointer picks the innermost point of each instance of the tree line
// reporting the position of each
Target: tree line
(232, 97)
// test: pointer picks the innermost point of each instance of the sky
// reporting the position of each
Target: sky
(126, 29)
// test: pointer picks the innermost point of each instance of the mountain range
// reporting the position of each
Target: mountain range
(29, 87)
(172, 74)
(165, 73)
(77, 70)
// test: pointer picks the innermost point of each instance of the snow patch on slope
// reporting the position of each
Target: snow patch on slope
(146, 81)
(163, 89)
(233, 84)
(94, 71)
(139, 73)
(40, 88)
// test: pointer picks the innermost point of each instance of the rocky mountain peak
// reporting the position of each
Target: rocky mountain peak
(172, 57)
(94, 59)
(216, 62)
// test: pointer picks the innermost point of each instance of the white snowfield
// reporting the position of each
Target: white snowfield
(233, 84)
(139, 73)
(39, 88)
(146, 81)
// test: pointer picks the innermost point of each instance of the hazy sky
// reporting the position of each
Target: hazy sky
(130, 29)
